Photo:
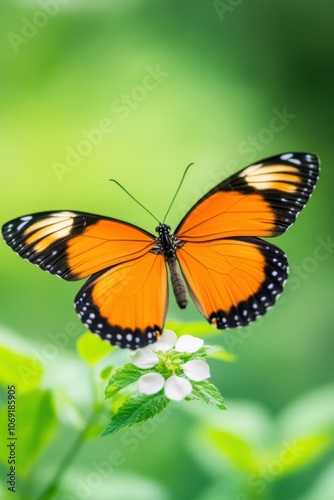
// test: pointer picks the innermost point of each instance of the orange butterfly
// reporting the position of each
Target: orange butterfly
(231, 274)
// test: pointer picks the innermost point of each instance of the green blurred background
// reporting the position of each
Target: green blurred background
(169, 83)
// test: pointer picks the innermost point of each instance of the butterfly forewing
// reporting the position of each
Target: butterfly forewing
(75, 245)
(261, 200)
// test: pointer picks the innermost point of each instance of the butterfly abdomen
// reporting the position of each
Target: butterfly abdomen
(177, 283)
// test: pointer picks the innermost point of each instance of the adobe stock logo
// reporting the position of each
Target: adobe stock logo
(30, 27)
(57, 343)
(224, 7)
(272, 470)
(279, 120)
(119, 110)
(87, 486)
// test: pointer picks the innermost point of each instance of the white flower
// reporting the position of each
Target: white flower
(168, 350)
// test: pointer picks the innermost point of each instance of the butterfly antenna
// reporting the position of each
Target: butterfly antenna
(127, 192)
(178, 189)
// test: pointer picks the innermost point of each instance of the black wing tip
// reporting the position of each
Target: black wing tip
(299, 159)
(123, 337)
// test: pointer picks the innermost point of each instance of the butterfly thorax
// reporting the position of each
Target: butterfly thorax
(167, 244)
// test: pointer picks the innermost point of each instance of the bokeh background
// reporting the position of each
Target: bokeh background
(136, 90)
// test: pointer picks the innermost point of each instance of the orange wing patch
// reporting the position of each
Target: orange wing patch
(126, 304)
(74, 245)
(233, 281)
(105, 243)
(227, 214)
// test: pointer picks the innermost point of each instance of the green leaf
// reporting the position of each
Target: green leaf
(299, 453)
(35, 424)
(207, 392)
(23, 372)
(92, 348)
(136, 409)
(197, 329)
(123, 377)
(106, 372)
(218, 352)
(239, 451)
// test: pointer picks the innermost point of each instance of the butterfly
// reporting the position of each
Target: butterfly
(232, 275)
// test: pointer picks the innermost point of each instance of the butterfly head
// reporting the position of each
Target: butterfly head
(163, 229)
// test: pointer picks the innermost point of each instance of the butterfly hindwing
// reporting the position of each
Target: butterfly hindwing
(234, 280)
(126, 304)
(74, 245)
(261, 200)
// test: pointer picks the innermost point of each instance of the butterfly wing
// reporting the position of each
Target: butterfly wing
(125, 300)
(127, 303)
(261, 200)
(74, 245)
(233, 280)
(232, 275)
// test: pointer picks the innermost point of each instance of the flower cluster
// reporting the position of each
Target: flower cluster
(173, 372)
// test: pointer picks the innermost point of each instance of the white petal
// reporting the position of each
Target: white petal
(177, 388)
(166, 342)
(150, 383)
(196, 370)
(145, 358)
(188, 343)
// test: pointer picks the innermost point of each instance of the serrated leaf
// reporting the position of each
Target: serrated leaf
(92, 348)
(207, 392)
(121, 378)
(197, 329)
(136, 409)
(218, 352)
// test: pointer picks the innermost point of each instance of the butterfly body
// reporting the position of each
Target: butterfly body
(167, 245)
(231, 273)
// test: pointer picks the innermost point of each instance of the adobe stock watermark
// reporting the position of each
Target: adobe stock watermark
(58, 342)
(322, 251)
(30, 27)
(120, 110)
(101, 470)
(225, 7)
(249, 147)
(254, 143)
(268, 474)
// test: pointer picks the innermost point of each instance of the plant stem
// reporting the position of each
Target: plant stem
(51, 489)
